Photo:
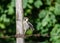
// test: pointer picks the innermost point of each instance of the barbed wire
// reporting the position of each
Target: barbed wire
(23, 36)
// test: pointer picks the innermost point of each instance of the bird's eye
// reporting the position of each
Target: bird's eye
(25, 19)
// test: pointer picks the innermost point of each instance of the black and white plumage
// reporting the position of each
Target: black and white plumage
(27, 24)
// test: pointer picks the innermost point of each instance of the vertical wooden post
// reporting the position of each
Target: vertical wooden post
(19, 20)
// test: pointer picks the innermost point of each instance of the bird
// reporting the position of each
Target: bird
(27, 24)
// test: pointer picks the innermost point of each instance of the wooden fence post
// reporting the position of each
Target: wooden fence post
(19, 20)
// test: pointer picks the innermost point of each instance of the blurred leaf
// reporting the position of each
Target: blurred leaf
(55, 33)
(29, 6)
(58, 1)
(1, 34)
(5, 11)
(51, 8)
(10, 10)
(13, 3)
(57, 9)
(29, 32)
(25, 3)
(42, 14)
(28, 10)
(51, 20)
(48, 2)
(2, 26)
(39, 26)
(30, 1)
(45, 21)
(4, 19)
(57, 41)
(38, 3)
(25, 14)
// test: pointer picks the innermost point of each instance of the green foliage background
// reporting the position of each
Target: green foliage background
(43, 14)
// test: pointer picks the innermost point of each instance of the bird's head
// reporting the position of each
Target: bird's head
(25, 18)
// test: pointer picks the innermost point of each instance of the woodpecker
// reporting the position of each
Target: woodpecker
(27, 24)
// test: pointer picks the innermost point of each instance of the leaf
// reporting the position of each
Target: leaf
(55, 33)
(45, 21)
(57, 41)
(51, 8)
(29, 32)
(42, 14)
(30, 1)
(5, 11)
(13, 3)
(39, 26)
(2, 26)
(52, 19)
(1, 34)
(10, 11)
(25, 3)
(28, 10)
(4, 19)
(57, 9)
(58, 1)
(38, 3)
(29, 6)
(48, 2)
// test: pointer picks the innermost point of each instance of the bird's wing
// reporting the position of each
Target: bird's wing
(26, 26)
(30, 25)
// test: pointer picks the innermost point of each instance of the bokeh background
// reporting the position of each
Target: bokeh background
(43, 14)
